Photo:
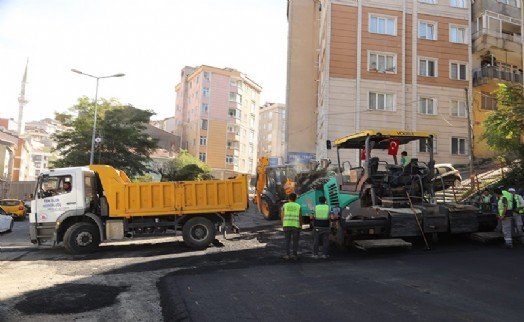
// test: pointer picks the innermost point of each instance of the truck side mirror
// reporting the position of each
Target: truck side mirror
(328, 144)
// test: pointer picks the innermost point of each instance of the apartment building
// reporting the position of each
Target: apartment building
(381, 64)
(497, 58)
(216, 117)
(271, 132)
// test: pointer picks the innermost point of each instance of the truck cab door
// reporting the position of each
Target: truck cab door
(54, 197)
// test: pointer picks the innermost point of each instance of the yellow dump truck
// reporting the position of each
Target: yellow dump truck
(84, 206)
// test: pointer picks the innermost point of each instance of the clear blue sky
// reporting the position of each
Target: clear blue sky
(150, 41)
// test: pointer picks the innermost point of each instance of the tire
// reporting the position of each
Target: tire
(82, 238)
(198, 232)
(270, 211)
(11, 226)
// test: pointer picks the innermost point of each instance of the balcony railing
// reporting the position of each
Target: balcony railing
(487, 73)
(498, 34)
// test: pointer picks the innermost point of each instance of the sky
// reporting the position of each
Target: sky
(148, 40)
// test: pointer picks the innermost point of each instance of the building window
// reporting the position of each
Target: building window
(381, 101)
(382, 25)
(204, 108)
(458, 3)
(489, 102)
(428, 1)
(202, 156)
(458, 108)
(235, 97)
(233, 82)
(424, 146)
(427, 30)
(252, 121)
(427, 105)
(235, 112)
(203, 140)
(232, 145)
(206, 76)
(203, 124)
(514, 3)
(458, 146)
(427, 67)
(457, 34)
(458, 71)
(381, 62)
(229, 159)
(205, 91)
(253, 107)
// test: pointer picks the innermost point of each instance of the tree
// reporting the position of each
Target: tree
(124, 143)
(186, 168)
(504, 128)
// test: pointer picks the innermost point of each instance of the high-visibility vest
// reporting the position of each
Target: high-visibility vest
(509, 200)
(291, 215)
(322, 212)
(519, 204)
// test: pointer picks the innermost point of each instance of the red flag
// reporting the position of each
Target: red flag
(363, 153)
(393, 146)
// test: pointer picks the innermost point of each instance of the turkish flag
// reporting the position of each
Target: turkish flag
(393, 146)
(363, 154)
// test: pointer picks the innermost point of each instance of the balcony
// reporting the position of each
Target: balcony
(487, 39)
(486, 74)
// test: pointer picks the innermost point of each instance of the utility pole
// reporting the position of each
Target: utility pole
(470, 137)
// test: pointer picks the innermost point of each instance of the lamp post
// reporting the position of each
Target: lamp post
(91, 158)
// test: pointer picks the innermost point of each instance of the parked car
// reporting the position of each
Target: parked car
(6, 222)
(14, 207)
(447, 174)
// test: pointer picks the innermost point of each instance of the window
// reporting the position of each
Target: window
(427, 30)
(203, 140)
(489, 102)
(381, 62)
(206, 76)
(457, 3)
(427, 67)
(458, 146)
(232, 145)
(457, 34)
(458, 108)
(424, 145)
(235, 97)
(204, 108)
(203, 124)
(253, 107)
(380, 101)
(251, 136)
(229, 159)
(202, 156)
(235, 112)
(382, 25)
(428, 1)
(252, 121)
(205, 91)
(233, 82)
(458, 71)
(514, 3)
(427, 105)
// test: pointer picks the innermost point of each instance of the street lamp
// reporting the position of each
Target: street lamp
(91, 158)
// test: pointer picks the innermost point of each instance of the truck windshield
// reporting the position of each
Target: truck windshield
(53, 185)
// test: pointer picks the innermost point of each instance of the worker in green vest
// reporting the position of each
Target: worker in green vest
(321, 217)
(505, 215)
(518, 210)
(404, 159)
(485, 201)
(292, 225)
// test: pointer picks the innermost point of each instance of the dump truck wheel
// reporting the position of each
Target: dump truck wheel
(198, 232)
(81, 238)
(270, 211)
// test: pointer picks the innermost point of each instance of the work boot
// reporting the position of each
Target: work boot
(509, 246)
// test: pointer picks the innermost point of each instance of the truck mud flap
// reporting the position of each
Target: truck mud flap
(381, 243)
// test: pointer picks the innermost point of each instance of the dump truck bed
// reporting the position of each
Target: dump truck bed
(128, 199)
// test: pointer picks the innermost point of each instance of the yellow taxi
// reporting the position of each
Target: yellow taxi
(13, 207)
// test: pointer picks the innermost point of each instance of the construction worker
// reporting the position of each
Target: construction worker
(505, 215)
(292, 224)
(404, 159)
(485, 201)
(321, 217)
(518, 210)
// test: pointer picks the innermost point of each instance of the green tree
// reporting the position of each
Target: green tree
(186, 168)
(124, 143)
(503, 128)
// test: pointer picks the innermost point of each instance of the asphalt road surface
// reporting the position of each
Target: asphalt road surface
(244, 278)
